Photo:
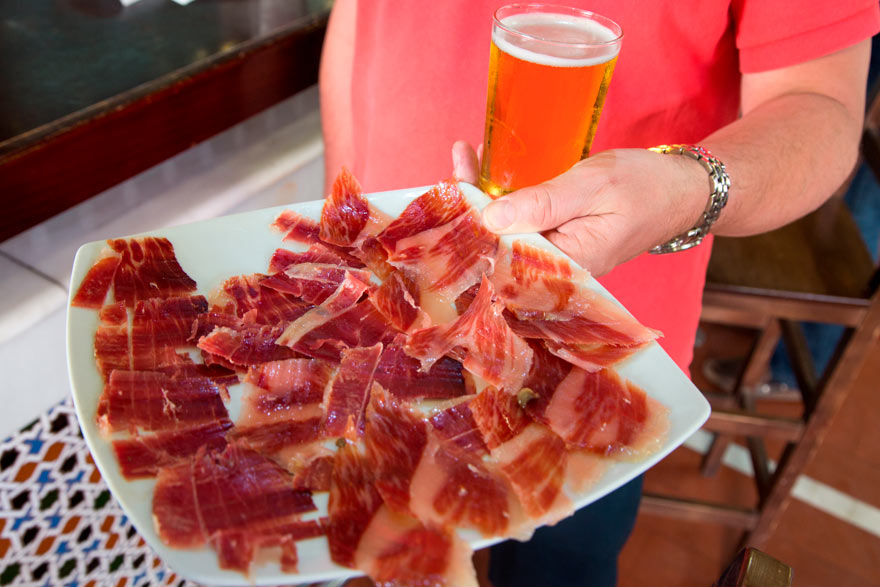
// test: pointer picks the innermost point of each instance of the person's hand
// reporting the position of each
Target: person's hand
(604, 210)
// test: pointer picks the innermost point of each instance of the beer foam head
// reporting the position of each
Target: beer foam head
(558, 40)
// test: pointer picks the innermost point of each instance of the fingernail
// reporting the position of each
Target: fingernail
(498, 215)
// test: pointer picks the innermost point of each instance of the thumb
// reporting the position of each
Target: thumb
(465, 163)
(534, 209)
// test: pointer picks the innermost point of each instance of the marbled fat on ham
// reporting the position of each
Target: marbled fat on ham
(238, 493)
(148, 268)
(152, 400)
(481, 339)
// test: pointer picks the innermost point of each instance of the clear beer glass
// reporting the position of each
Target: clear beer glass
(549, 70)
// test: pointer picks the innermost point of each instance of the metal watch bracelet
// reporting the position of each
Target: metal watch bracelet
(719, 183)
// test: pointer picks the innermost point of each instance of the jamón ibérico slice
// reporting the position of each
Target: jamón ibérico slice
(534, 278)
(148, 269)
(314, 474)
(317, 253)
(96, 284)
(112, 342)
(161, 325)
(396, 299)
(605, 414)
(345, 212)
(438, 206)
(346, 402)
(340, 301)
(245, 294)
(391, 547)
(570, 328)
(270, 438)
(451, 487)
(456, 425)
(144, 455)
(312, 282)
(481, 338)
(245, 345)
(446, 260)
(401, 375)
(281, 390)
(361, 326)
(202, 499)
(397, 549)
(221, 376)
(151, 400)
(499, 416)
(394, 439)
(297, 227)
(534, 462)
(353, 502)
(374, 256)
(236, 549)
(592, 357)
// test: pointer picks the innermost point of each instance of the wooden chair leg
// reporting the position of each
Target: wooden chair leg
(712, 459)
(756, 365)
(834, 387)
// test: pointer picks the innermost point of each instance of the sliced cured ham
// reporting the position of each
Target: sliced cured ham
(481, 339)
(161, 325)
(448, 259)
(345, 212)
(455, 488)
(247, 295)
(535, 464)
(353, 502)
(346, 402)
(235, 500)
(245, 345)
(297, 227)
(592, 357)
(96, 284)
(271, 438)
(397, 549)
(395, 299)
(605, 414)
(312, 282)
(391, 547)
(395, 438)
(456, 425)
(436, 207)
(402, 376)
(112, 343)
(144, 455)
(530, 277)
(148, 268)
(317, 253)
(343, 299)
(152, 400)
(284, 390)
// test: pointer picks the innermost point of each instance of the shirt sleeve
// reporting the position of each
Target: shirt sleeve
(778, 33)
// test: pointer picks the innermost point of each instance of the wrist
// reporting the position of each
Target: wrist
(700, 205)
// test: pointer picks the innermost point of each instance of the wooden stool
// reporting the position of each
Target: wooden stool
(814, 270)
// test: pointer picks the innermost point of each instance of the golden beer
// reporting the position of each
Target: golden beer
(549, 70)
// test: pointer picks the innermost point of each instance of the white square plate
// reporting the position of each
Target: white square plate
(213, 250)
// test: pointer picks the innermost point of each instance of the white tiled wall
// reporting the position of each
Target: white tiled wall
(273, 158)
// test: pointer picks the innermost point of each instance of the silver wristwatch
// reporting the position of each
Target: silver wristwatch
(719, 183)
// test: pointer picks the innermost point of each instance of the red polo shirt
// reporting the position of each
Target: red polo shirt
(420, 80)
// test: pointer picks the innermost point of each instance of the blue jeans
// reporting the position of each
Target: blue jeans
(580, 550)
